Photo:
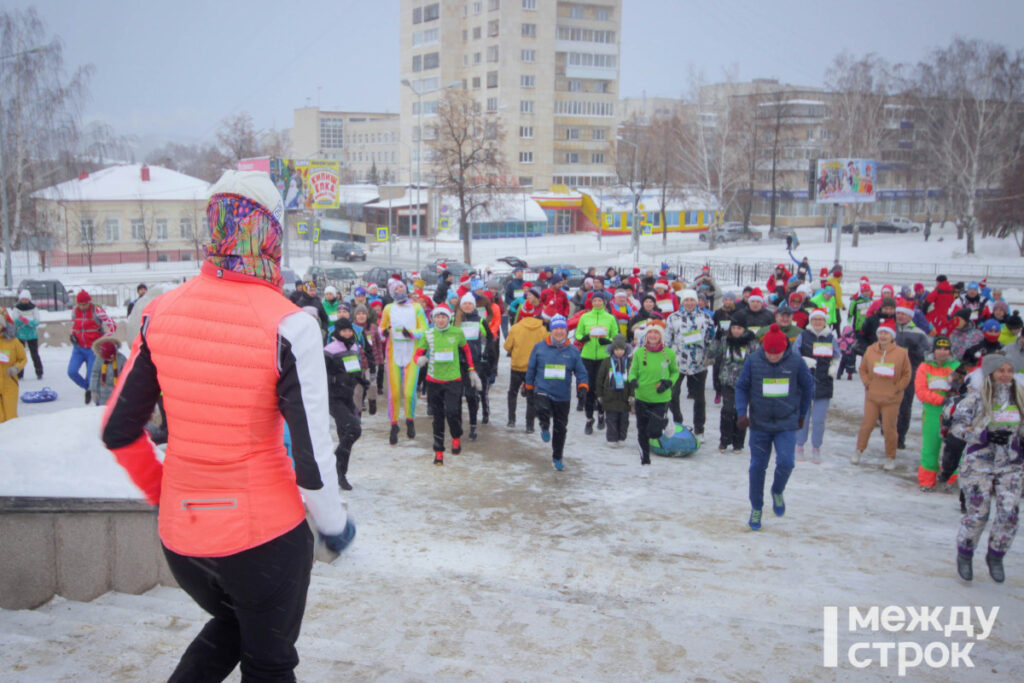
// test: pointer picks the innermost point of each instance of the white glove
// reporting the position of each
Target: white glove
(12, 371)
(474, 381)
(422, 360)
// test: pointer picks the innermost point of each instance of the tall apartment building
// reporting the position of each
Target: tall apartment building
(548, 68)
(359, 140)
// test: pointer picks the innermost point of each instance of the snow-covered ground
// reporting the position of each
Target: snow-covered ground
(495, 567)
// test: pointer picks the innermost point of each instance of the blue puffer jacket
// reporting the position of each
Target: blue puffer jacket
(790, 375)
(547, 362)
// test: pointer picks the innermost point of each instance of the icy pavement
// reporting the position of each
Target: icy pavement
(495, 567)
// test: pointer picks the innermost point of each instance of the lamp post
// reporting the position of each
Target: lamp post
(636, 198)
(8, 275)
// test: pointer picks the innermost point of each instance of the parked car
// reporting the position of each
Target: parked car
(289, 278)
(347, 251)
(514, 262)
(342, 277)
(732, 232)
(781, 232)
(49, 295)
(864, 227)
(381, 274)
(901, 224)
(575, 275)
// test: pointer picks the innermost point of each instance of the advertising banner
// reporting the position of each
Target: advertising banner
(307, 184)
(842, 181)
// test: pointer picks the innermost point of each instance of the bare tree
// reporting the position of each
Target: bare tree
(237, 137)
(1003, 215)
(87, 236)
(144, 230)
(635, 168)
(276, 142)
(668, 135)
(970, 95)
(466, 157)
(199, 161)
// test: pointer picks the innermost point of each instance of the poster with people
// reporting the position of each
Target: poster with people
(307, 184)
(846, 180)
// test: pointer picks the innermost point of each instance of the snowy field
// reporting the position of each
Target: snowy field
(495, 567)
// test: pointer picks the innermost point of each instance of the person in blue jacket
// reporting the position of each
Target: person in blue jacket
(553, 362)
(778, 387)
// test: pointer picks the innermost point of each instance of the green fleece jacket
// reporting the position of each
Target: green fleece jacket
(648, 369)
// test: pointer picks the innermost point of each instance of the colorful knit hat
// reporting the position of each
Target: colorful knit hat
(244, 216)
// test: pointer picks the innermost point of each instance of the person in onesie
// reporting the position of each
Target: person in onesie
(402, 322)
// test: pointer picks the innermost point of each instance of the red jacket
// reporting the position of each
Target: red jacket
(940, 300)
(91, 324)
(554, 302)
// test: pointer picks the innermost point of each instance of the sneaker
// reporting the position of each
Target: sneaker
(799, 453)
(600, 420)
(723, 447)
(926, 489)
(589, 429)
(393, 439)
(410, 429)
(816, 456)
(456, 446)
(645, 460)
(438, 457)
(995, 567)
(965, 566)
(559, 465)
(485, 419)
(778, 504)
(718, 399)
(88, 397)
(737, 451)
(890, 464)
(545, 435)
(511, 423)
(855, 458)
(849, 377)
(901, 446)
(343, 482)
(472, 432)
(373, 407)
(755, 520)
(529, 429)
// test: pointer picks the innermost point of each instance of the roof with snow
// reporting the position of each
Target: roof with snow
(504, 207)
(616, 199)
(357, 194)
(125, 183)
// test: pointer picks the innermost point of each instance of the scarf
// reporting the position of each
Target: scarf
(245, 238)
(103, 372)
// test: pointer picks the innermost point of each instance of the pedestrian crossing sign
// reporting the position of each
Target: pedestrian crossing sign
(382, 234)
(303, 227)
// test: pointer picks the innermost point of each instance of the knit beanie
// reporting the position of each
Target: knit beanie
(559, 322)
(83, 297)
(244, 215)
(24, 294)
(468, 297)
(992, 362)
(619, 342)
(942, 342)
(775, 340)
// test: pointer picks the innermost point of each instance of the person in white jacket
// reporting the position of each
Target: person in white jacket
(689, 332)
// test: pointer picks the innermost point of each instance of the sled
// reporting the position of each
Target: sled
(44, 395)
(681, 444)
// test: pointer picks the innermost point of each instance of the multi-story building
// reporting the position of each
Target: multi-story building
(361, 141)
(549, 69)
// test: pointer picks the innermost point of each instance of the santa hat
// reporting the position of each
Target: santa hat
(442, 309)
(25, 294)
(661, 284)
(464, 277)
(662, 273)
(795, 299)
(888, 288)
(818, 313)
(906, 307)
(888, 325)
(636, 271)
(442, 266)
(756, 295)
(823, 273)
(774, 340)
(865, 285)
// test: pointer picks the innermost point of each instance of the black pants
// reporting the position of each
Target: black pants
(557, 412)
(445, 401)
(695, 390)
(349, 430)
(952, 452)
(848, 364)
(257, 598)
(33, 350)
(906, 406)
(650, 424)
(472, 398)
(731, 434)
(716, 382)
(592, 367)
(515, 382)
(485, 402)
(616, 426)
(381, 374)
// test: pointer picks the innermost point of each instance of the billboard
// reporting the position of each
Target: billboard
(843, 181)
(307, 184)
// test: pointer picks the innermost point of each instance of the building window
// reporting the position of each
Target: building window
(525, 180)
(530, 4)
(602, 86)
(492, 104)
(529, 31)
(493, 5)
(431, 12)
(477, 32)
(604, 15)
(599, 134)
(590, 59)
(185, 226)
(86, 230)
(417, 15)
(575, 12)
(492, 53)
(525, 106)
(161, 229)
(572, 157)
(572, 133)
(426, 37)
(597, 158)
(526, 132)
(577, 108)
(476, 57)
(492, 79)
(526, 157)
(113, 230)
(492, 28)
(138, 229)
(528, 56)
(476, 82)
(431, 60)
(417, 63)
(526, 81)
(575, 85)
(477, 7)
(332, 133)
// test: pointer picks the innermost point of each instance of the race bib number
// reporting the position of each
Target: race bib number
(333, 317)
(974, 315)
(1005, 417)
(755, 329)
(775, 386)
(724, 325)
(554, 372)
(779, 283)
(862, 308)
(938, 384)
(822, 350)
(352, 364)
(694, 337)
(4, 358)
(516, 293)
(442, 356)
(598, 331)
(471, 330)
(885, 369)
(665, 305)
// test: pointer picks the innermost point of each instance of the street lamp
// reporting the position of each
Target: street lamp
(636, 197)
(419, 157)
(8, 275)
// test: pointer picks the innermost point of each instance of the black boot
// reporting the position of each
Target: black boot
(995, 567)
(410, 429)
(600, 420)
(373, 407)
(472, 432)
(589, 429)
(343, 481)
(580, 405)
(511, 422)
(393, 439)
(965, 566)
(963, 503)
(88, 397)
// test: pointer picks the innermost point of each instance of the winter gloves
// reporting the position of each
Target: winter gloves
(474, 381)
(999, 437)
(422, 360)
(581, 392)
(13, 372)
(330, 547)
(664, 385)
(742, 421)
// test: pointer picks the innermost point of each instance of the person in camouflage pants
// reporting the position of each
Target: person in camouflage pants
(989, 419)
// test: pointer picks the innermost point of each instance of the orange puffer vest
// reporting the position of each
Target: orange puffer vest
(228, 484)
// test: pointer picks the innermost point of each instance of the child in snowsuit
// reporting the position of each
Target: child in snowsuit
(106, 370)
(346, 370)
(652, 375)
(728, 353)
(848, 359)
(613, 391)
(932, 385)
(12, 363)
(991, 420)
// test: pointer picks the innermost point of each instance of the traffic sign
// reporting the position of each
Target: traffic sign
(303, 227)
(316, 234)
(382, 234)
(442, 224)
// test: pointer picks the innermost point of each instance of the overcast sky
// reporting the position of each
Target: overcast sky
(175, 68)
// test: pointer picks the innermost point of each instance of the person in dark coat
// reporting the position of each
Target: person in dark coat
(613, 391)
(444, 283)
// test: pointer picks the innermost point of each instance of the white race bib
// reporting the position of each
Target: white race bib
(666, 306)
(693, 337)
(352, 364)
(725, 325)
(471, 330)
(974, 315)
(822, 350)
(598, 331)
(775, 386)
(554, 372)
(938, 384)
(516, 293)
(1006, 417)
(333, 317)
(4, 358)
(885, 369)
(442, 356)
